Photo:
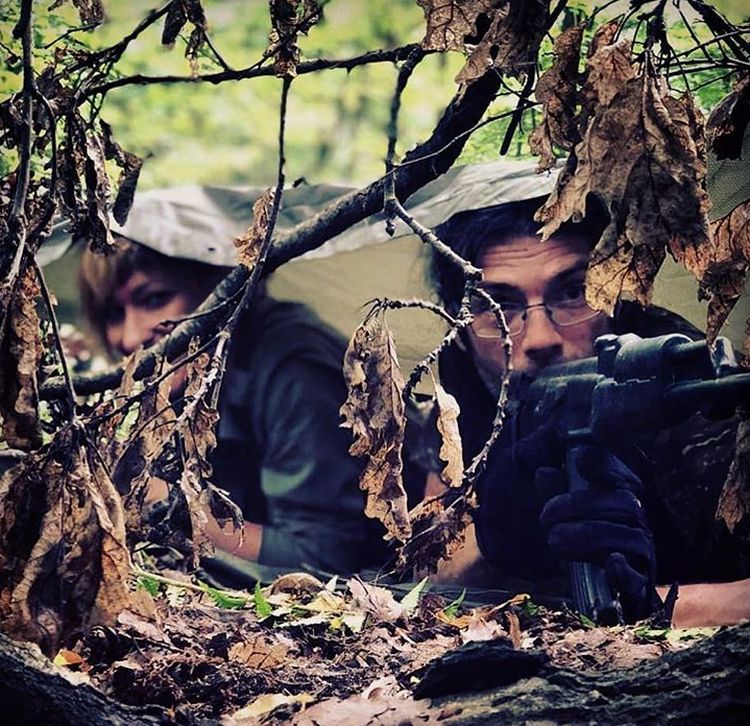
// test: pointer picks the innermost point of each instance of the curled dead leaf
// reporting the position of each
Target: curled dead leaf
(724, 266)
(20, 356)
(453, 23)
(451, 450)
(374, 411)
(556, 89)
(734, 503)
(511, 42)
(261, 651)
(642, 154)
(289, 18)
(249, 245)
(725, 128)
(65, 564)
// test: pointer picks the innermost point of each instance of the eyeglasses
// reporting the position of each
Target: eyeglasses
(564, 309)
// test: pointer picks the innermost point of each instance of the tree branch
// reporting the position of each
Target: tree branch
(256, 71)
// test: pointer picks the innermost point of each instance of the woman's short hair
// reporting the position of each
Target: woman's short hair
(469, 233)
(100, 276)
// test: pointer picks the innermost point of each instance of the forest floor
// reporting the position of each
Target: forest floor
(306, 652)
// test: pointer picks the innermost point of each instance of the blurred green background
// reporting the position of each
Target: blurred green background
(227, 133)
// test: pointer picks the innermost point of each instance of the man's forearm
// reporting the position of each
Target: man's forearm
(709, 604)
(228, 538)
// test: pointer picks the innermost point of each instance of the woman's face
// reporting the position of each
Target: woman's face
(144, 306)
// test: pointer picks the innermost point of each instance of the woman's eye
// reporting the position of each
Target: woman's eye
(157, 299)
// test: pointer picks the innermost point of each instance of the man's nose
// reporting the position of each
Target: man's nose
(541, 337)
(137, 330)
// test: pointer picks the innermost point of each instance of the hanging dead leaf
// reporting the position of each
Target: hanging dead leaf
(174, 22)
(20, 355)
(556, 89)
(451, 24)
(374, 411)
(130, 169)
(511, 42)
(642, 153)
(249, 245)
(97, 195)
(91, 12)
(734, 503)
(725, 266)
(725, 128)
(65, 564)
(438, 531)
(451, 450)
(289, 18)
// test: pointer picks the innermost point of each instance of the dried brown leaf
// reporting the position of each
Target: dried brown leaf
(289, 18)
(556, 90)
(723, 267)
(453, 23)
(439, 531)
(725, 128)
(374, 411)
(376, 601)
(174, 23)
(97, 229)
(20, 356)
(249, 245)
(511, 42)
(642, 154)
(65, 564)
(734, 503)
(261, 651)
(130, 168)
(451, 449)
(91, 12)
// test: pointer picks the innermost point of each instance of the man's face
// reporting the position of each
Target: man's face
(523, 272)
(140, 306)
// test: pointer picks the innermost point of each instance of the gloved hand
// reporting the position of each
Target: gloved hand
(507, 521)
(604, 525)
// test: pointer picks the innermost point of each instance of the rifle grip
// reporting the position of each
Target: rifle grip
(592, 595)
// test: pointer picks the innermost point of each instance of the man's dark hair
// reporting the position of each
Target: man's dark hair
(468, 233)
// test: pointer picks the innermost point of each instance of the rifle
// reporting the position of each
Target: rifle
(631, 386)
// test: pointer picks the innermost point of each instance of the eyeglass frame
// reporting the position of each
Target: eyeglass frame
(524, 310)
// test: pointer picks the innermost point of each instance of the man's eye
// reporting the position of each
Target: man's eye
(575, 293)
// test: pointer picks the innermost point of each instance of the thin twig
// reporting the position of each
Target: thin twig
(70, 396)
(257, 71)
(16, 223)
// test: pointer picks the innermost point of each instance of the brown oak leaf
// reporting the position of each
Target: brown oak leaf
(249, 244)
(91, 12)
(374, 411)
(511, 42)
(556, 89)
(642, 153)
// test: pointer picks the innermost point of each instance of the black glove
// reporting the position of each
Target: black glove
(604, 525)
(507, 521)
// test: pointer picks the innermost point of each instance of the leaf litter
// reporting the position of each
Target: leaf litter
(303, 652)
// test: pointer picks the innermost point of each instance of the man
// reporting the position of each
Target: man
(280, 453)
(527, 525)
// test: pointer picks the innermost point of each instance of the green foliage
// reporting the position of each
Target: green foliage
(262, 607)
(452, 608)
(411, 599)
(150, 584)
(225, 599)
